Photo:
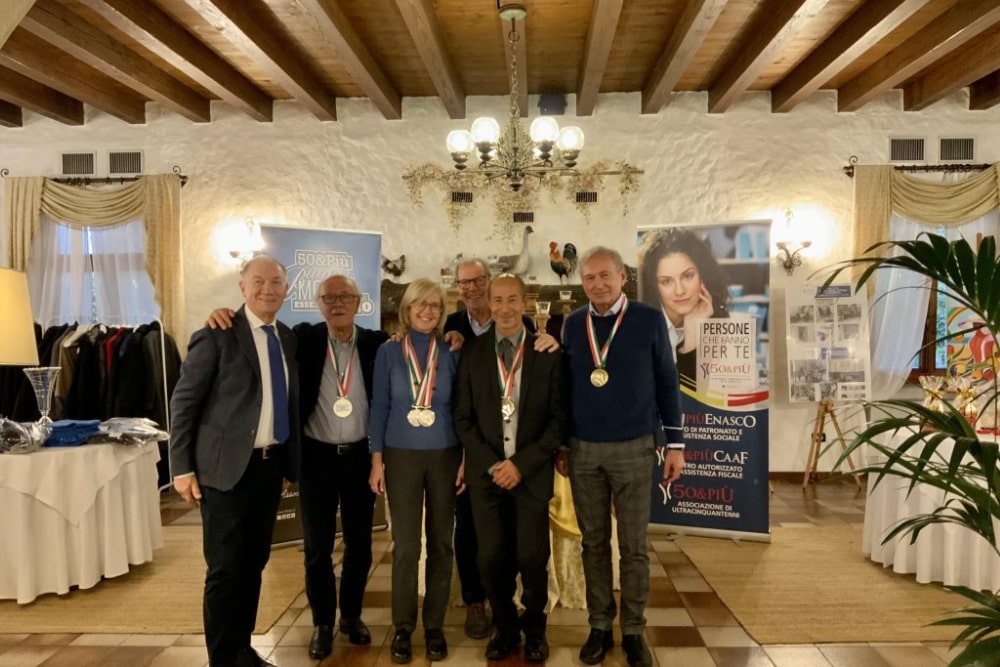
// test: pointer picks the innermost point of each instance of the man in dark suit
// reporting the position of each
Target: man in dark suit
(472, 279)
(511, 416)
(336, 359)
(234, 437)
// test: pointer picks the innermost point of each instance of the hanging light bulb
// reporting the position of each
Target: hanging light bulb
(459, 144)
(570, 143)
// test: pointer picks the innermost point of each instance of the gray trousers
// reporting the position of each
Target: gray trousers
(415, 481)
(602, 473)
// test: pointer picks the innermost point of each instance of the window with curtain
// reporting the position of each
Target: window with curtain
(909, 315)
(90, 274)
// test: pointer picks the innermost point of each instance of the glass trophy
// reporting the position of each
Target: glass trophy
(43, 380)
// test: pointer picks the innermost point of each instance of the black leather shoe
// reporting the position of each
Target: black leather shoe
(502, 644)
(437, 647)
(321, 644)
(599, 642)
(536, 649)
(402, 647)
(250, 658)
(356, 631)
(636, 652)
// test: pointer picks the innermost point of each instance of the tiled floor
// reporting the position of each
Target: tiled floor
(688, 626)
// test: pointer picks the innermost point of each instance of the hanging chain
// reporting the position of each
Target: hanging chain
(513, 37)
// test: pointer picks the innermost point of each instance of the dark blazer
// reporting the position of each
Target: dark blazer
(459, 321)
(216, 405)
(543, 419)
(311, 355)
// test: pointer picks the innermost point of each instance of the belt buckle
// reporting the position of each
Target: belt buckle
(344, 448)
(265, 452)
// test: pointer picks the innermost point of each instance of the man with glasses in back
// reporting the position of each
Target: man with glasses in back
(336, 360)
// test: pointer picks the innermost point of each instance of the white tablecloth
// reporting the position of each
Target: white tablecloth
(947, 553)
(71, 515)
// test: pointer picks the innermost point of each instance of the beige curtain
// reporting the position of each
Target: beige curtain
(880, 189)
(155, 199)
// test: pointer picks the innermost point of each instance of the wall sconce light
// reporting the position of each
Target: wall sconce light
(789, 254)
(250, 245)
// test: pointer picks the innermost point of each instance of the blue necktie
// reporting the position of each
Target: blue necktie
(279, 392)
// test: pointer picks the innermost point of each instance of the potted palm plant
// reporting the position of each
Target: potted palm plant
(939, 446)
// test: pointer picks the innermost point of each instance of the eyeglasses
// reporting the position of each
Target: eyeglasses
(469, 282)
(330, 299)
(423, 305)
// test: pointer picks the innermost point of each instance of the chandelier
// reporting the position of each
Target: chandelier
(510, 152)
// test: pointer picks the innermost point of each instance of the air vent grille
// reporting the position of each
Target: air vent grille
(906, 150)
(587, 197)
(78, 164)
(524, 216)
(958, 149)
(124, 162)
(461, 197)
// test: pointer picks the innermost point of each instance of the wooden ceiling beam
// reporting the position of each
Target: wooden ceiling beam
(862, 30)
(28, 93)
(50, 21)
(251, 27)
(770, 33)
(336, 28)
(10, 115)
(11, 13)
(604, 17)
(157, 31)
(963, 22)
(697, 19)
(985, 93)
(428, 38)
(519, 52)
(27, 55)
(960, 68)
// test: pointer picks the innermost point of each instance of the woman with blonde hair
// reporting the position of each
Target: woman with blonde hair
(417, 461)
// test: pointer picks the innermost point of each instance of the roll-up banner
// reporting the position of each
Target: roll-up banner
(712, 284)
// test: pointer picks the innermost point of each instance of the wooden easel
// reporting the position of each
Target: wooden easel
(825, 409)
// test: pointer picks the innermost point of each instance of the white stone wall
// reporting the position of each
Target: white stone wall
(744, 164)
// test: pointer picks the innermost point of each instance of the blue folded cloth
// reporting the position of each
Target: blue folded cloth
(71, 432)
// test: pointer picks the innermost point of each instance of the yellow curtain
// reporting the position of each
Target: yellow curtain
(880, 189)
(155, 199)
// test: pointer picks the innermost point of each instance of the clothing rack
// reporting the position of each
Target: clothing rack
(129, 322)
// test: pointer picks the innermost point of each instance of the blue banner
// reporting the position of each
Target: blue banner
(712, 284)
(312, 255)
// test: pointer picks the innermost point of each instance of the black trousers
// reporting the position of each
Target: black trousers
(335, 477)
(513, 530)
(467, 552)
(236, 535)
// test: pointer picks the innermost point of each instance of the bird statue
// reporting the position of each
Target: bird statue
(517, 264)
(563, 263)
(394, 267)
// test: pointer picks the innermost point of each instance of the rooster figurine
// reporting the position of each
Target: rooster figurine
(563, 263)
(394, 267)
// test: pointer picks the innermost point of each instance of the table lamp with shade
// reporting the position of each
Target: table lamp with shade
(18, 348)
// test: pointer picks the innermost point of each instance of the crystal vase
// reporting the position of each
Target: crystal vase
(42, 380)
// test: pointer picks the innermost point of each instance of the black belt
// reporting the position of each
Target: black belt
(341, 448)
(265, 453)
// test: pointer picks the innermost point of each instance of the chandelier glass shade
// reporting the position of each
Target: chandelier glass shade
(510, 152)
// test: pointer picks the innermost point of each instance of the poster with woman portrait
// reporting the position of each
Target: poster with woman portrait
(712, 284)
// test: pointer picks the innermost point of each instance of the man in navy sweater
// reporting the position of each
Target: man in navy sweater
(624, 388)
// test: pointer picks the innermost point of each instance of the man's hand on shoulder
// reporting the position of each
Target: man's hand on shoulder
(220, 318)
(546, 343)
(455, 340)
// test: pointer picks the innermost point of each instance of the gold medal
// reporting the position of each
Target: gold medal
(413, 416)
(507, 409)
(598, 377)
(342, 407)
(426, 417)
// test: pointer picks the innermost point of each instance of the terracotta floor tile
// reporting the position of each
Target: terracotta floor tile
(80, 656)
(190, 640)
(26, 656)
(712, 616)
(909, 656)
(796, 656)
(50, 639)
(740, 657)
(181, 656)
(853, 656)
(150, 640)
(730, 637)
(667, 617)
(665, 598)
(702, 600)
(99, 640)
(674, 636)
(682, 656)
(8, 639)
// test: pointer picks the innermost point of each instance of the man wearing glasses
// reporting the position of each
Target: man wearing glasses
(336, 359)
